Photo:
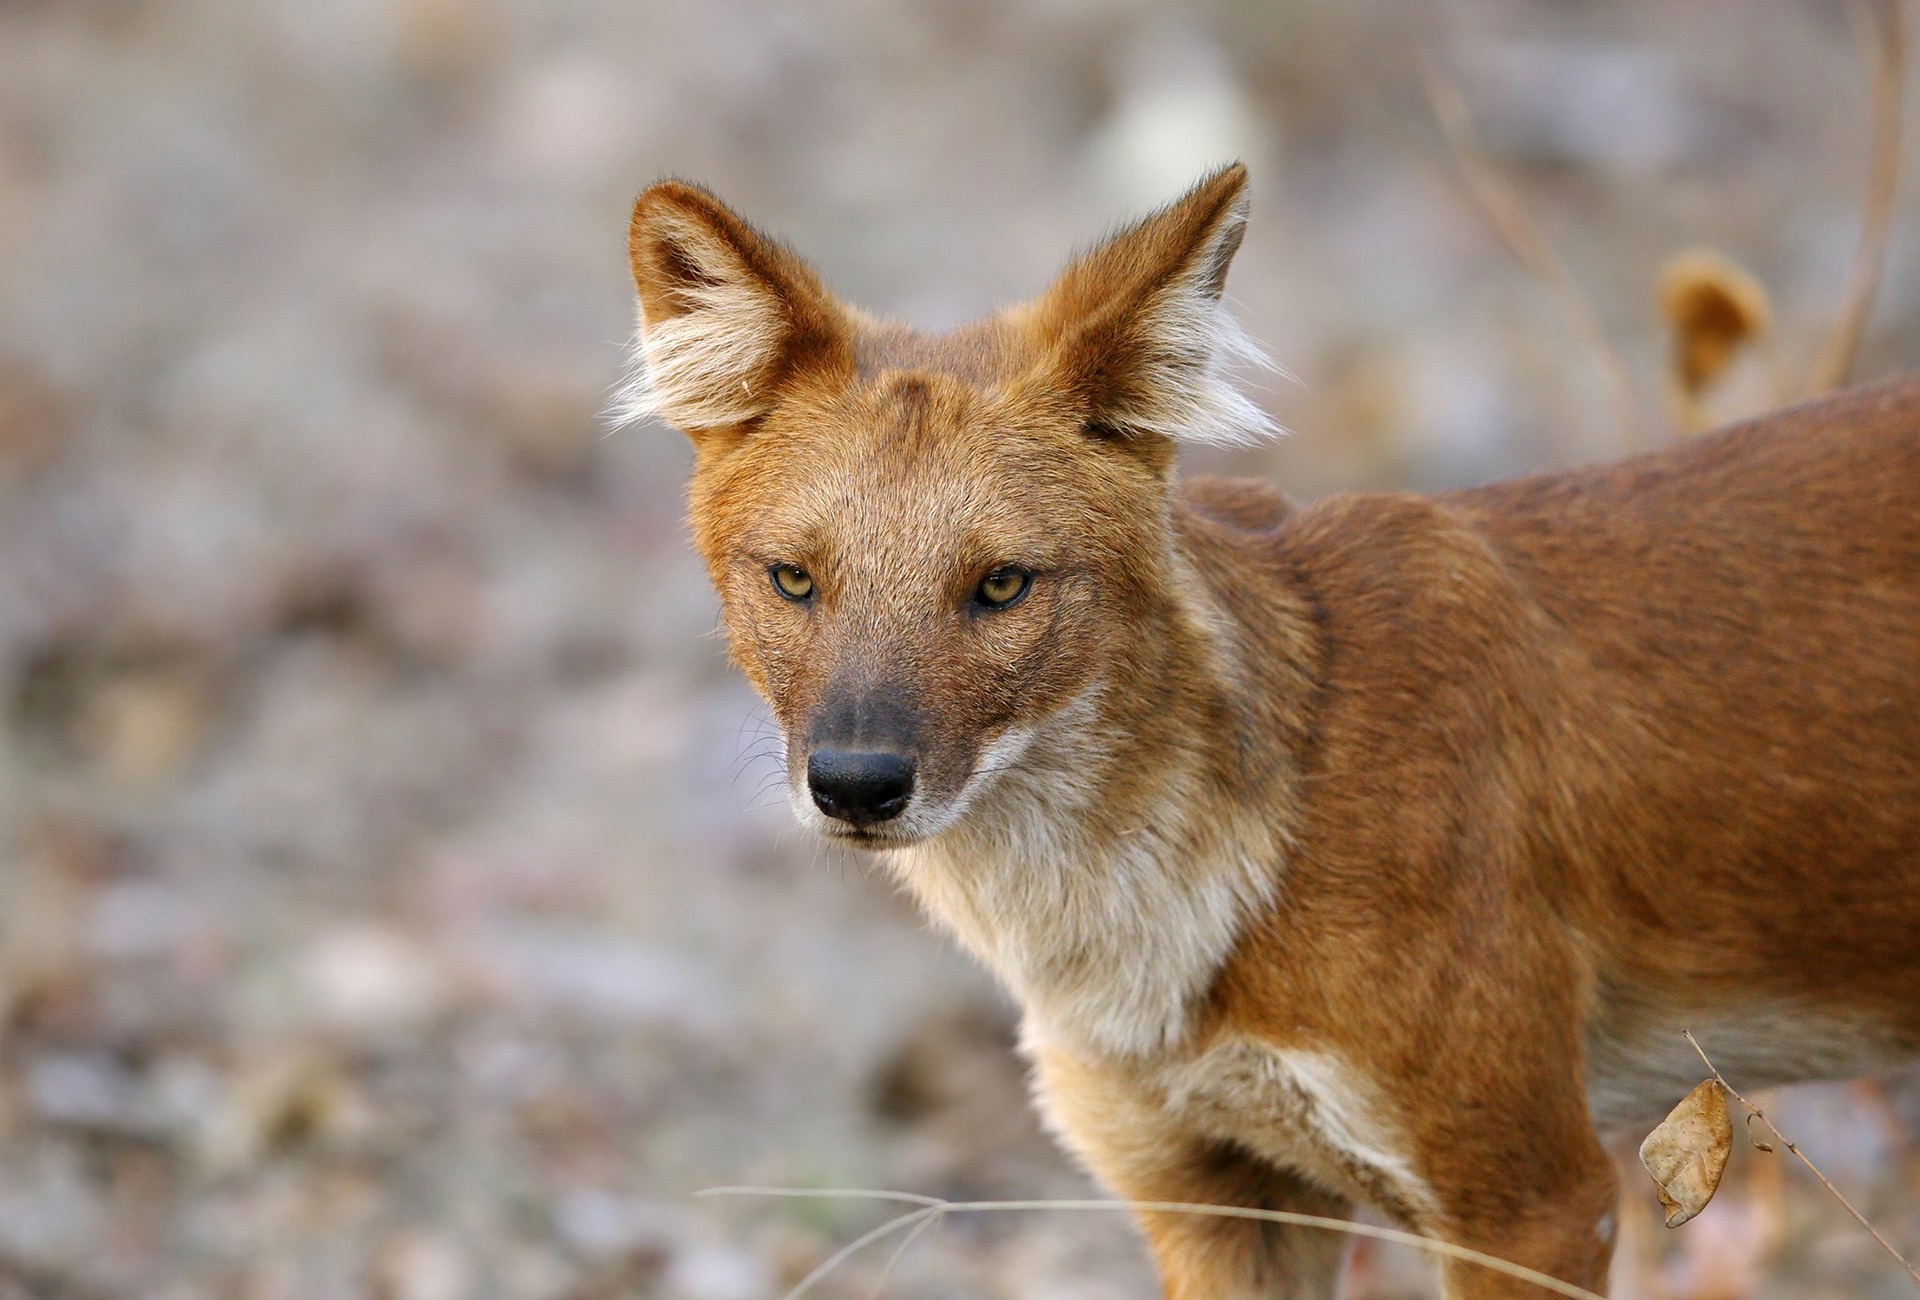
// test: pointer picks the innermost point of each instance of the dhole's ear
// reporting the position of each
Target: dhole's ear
(726, 314)
(1136, 331)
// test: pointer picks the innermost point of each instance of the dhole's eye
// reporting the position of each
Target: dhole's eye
(791, 581)
(1002, 588)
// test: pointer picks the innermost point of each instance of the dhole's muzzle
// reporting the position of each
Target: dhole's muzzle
(861, 755)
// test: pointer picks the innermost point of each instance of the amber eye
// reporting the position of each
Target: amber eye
(791, 581)
(1002, 587)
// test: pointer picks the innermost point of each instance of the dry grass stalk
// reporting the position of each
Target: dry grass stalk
(1754, 1112)
(1516, 229)
(1835, 364)
(931, 1209)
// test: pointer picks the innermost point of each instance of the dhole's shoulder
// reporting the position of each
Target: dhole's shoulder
(1245, 534)
(1397, 536)
(1244, 505)
(1252, 518)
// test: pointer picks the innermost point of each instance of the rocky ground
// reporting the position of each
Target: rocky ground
(393, 901)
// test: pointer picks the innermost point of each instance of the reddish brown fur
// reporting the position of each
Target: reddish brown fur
(1493, 791)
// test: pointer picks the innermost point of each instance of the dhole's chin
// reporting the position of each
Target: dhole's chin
(915, 824)
(896, 834)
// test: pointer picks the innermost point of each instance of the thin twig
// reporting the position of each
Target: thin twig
(1502, 208)
(1757, 1113)
(1835, 365)
(931, 1208)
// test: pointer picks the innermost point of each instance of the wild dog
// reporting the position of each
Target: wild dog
(1373, 851)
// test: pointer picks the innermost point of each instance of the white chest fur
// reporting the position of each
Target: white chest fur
(1106, 938)
(1106, 954)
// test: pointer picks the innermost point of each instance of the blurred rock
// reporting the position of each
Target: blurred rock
(717, 1273)
(33, 421)
(605, 1226)
(448, 42)
(421, 1266)
(131, 919)
(50, 1214)
(44, 974)
(90, 1090)
(1177, 99)
(143, 725)
(600, 977)
(369, 978)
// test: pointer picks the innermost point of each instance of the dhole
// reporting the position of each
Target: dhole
(1376, 850)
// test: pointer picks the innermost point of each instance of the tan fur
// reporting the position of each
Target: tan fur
(1371, 851)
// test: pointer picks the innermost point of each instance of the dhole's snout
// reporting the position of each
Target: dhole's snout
(863, 754)
(860, 787)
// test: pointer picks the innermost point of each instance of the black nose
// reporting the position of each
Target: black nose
(861, 786)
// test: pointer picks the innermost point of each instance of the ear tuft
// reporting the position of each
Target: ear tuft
(723, 309)
(1188, 390)
(1138, 330)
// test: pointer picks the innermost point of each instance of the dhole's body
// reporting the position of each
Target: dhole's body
(1372, 851)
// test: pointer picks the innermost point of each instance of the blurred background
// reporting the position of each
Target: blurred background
(390, 902)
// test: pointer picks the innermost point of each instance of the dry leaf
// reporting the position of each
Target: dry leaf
(1714, 306)
(1687, 1152)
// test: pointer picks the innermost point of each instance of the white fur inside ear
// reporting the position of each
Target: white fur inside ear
(1196, 349)
(708, 364)
(1196, 399)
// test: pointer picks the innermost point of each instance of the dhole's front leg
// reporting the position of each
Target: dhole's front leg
(1513, 1161)
(1563, 1227)
(1203, 1257)
(1537, 1189)
(1141, 1154)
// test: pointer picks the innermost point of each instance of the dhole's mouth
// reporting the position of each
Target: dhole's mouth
(868, 838)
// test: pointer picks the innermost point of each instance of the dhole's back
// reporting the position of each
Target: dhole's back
(1676, 697)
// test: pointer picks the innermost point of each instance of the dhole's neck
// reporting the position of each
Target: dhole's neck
(1107, 872)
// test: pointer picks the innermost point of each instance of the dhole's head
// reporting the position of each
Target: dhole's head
(929, 546)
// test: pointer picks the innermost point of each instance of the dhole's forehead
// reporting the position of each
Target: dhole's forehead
(984, 352)
(914, 464)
